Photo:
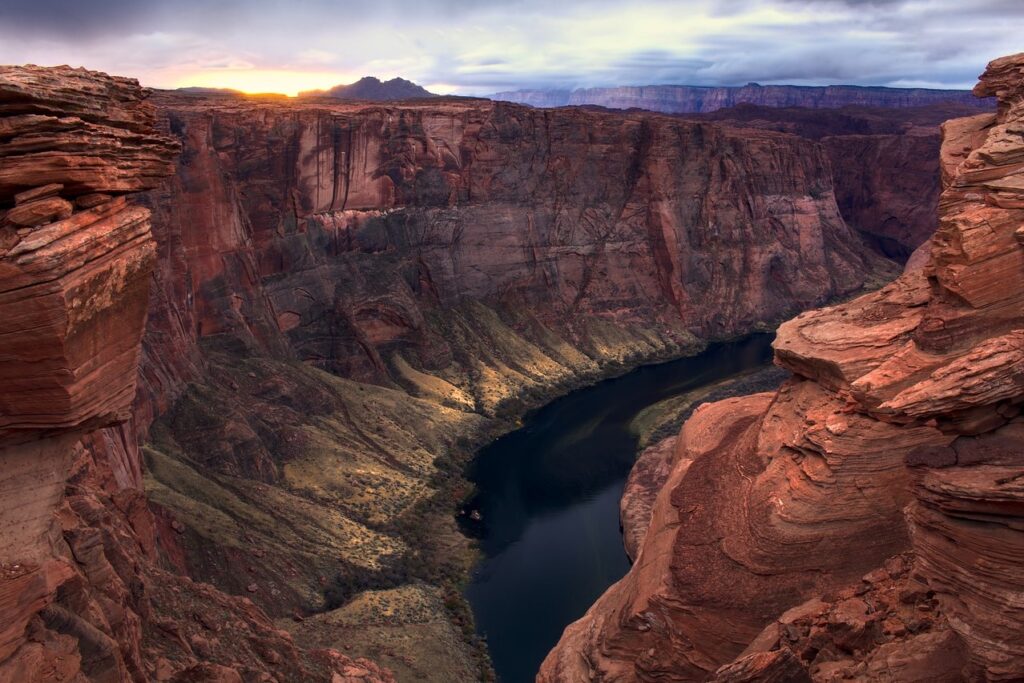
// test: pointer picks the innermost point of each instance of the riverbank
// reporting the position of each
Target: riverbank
(548, 497)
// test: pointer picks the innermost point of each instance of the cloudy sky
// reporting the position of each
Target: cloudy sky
(483, 46)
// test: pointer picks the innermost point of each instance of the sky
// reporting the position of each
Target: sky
(484, 46)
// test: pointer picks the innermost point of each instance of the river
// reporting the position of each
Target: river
(548, 498)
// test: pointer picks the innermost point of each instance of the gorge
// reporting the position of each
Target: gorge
(250, 345)
(548, 498)
(827, 530)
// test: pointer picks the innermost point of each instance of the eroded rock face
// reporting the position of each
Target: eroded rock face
(652, 468)
(885, 163)
(336, 231)
(788, 494)
(73, 284)
(82, 593)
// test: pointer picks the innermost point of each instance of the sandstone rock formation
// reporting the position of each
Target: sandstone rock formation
(82, 593)
(421, 208)
(688, 99)
(908, 397)
(648, 475)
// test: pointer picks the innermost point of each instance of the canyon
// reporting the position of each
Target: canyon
(250, 344)
(696, 99)
(862, 521)
(374, 289)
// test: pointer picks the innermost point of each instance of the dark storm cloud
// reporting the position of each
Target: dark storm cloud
(478, 46)
(80, 19)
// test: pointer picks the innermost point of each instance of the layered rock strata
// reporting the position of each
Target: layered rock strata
(900, 429)
(581, 218)
(82, 594)
(342, 300)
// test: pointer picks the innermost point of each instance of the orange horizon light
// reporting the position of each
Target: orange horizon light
(265, 81)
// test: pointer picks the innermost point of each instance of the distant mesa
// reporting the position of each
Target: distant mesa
(695, 99)
(200, 90)
(373, 89)
(368, 88)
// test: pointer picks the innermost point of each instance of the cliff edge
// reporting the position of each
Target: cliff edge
(83, 594)
(864, 521)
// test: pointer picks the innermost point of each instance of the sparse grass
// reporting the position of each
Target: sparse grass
(347, 492)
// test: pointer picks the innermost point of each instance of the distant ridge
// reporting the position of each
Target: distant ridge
(201, 91)
(694, 99)
(371, 88)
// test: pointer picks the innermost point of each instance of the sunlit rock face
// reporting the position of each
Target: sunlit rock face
(81, 590)
(899, 430)
(76, 259)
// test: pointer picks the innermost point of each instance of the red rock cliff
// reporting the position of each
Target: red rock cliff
(899, 430)
(82, 596)
(885, 163)
(330, 231)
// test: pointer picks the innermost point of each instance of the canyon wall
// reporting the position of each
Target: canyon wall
(885, 163)
(82, 591)
(350, 296)
(695, 99)
(581, 218)
(781, 532)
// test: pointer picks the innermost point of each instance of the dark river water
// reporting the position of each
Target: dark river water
(549, 499)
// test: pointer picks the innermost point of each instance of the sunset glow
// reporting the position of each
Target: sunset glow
(283, 81)
(478, 47)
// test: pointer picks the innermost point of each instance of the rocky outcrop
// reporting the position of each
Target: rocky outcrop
(695, 99)
(886, 627)
(75, 258)
(82, 591)
(652, 469)
(789, 494)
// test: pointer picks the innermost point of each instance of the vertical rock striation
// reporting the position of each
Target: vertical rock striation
(885, 163)
(900, 429)
(335, 232)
